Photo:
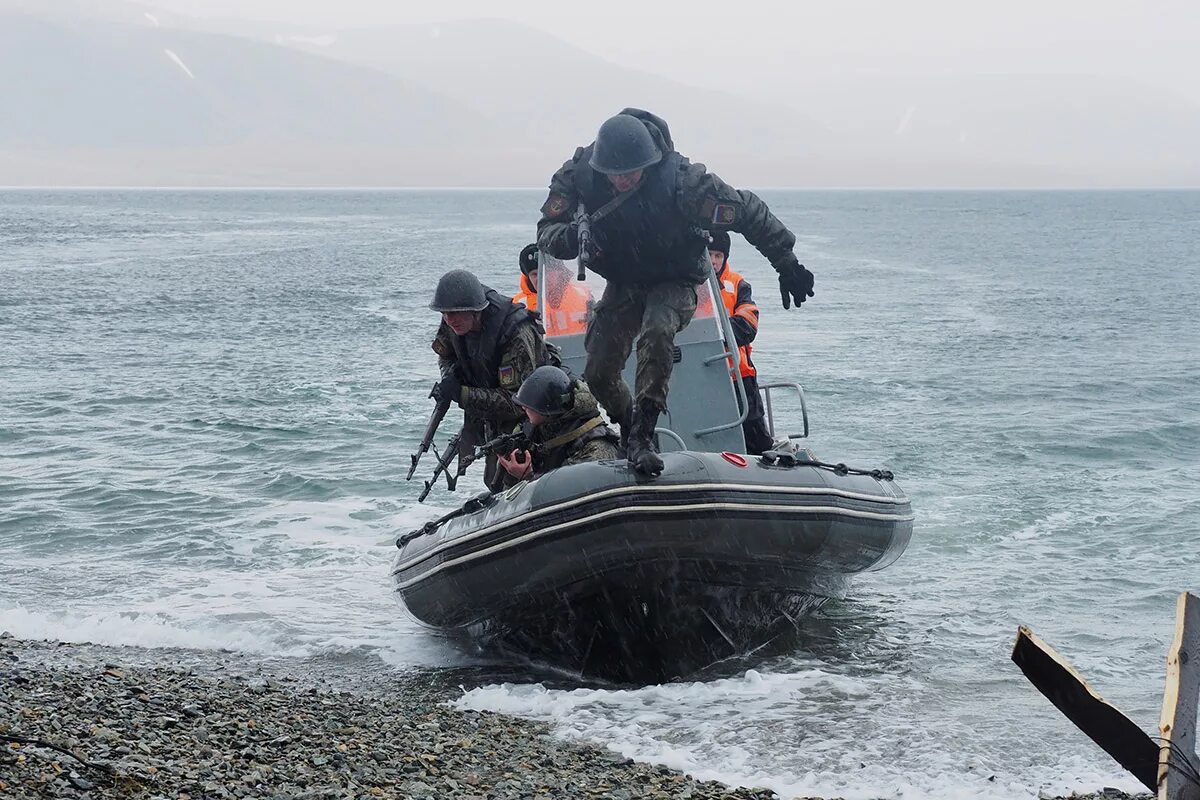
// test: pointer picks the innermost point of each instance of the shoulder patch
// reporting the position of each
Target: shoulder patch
(441, 348)
(554, 206)
(724, 214)
(508, 377)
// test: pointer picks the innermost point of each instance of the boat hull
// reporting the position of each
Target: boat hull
(601, 572)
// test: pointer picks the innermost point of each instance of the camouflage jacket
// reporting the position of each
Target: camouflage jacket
(519, 357)
(697, 200)
(597, 443)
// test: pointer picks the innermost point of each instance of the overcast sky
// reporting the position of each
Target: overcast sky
(1154, 41)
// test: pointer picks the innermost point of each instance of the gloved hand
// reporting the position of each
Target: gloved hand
(573, 243)
(448, 388)
(795, 283)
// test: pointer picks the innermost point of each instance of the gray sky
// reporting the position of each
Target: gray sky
(787, 43)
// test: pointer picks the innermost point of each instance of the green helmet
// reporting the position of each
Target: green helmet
(623, 144)
(459, 290)
(547, 391)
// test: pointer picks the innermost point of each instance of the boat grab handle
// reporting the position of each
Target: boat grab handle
(766, 390)
(670, 434)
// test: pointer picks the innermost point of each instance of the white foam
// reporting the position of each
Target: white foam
(143, 630)
(826, 738)
(1048, 525)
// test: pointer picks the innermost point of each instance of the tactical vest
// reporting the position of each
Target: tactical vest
(478, 354)
(547, 460)
(646, 239)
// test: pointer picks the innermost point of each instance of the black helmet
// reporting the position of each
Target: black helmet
(529, 258)
(623, 145)
(459, 290)
(719, 243)
(547, 391)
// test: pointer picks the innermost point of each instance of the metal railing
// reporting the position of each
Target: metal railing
(766, 390)
(732, 356)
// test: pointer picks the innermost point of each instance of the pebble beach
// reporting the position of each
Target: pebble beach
(79, 721)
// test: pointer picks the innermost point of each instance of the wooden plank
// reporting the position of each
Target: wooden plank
(1116, 734)
(1178, 769)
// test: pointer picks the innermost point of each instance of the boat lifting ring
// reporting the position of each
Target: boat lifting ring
(734, 458)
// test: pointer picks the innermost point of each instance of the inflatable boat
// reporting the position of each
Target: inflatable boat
(600, 572)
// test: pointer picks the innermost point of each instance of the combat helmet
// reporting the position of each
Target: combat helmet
(459, 290)
(547, 391)
(623, 144)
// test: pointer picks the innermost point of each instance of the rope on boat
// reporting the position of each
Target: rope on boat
(777, 459)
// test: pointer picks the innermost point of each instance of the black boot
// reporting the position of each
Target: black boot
(641, 452)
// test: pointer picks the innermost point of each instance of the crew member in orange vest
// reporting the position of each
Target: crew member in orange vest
(743, 318)
(527, 296)
(567, 307)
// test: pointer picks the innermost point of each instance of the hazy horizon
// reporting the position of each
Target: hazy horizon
(362, 92)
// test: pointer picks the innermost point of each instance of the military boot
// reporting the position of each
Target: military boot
(641, 452)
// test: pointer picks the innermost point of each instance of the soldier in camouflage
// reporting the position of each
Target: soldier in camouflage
(650, 209)
(486, 347)
(564, 426)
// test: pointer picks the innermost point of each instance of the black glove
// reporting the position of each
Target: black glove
(572, 235)
(448, 388)
(795, 283)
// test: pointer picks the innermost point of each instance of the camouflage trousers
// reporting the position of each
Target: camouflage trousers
(650, 314)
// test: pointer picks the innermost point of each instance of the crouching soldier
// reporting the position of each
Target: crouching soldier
(564, 426)
(486, 346)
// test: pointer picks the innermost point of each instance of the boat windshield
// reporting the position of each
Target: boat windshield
(567, 304)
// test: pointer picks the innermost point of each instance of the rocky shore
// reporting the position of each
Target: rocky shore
(79, 722)
(128, 731)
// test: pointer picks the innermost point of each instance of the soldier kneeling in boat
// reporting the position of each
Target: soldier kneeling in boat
(564, 426)
(486, 346)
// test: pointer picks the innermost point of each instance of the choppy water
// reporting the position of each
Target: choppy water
(207, 400)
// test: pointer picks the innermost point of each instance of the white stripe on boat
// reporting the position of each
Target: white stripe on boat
(737, 487)
(641, 509)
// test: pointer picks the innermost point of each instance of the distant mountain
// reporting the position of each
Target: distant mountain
(94, 84)
(919, 130)
(107, 91)
(537, 88)
(91, 100)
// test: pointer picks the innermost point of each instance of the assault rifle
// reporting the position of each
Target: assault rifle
(584, 223)
(443, 465)
(501, 445)
(435, 419)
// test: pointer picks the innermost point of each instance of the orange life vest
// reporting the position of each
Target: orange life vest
(570, 315)
(527, 295)
(730, 281)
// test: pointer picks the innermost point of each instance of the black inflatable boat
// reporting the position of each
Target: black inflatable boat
(600, 572)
